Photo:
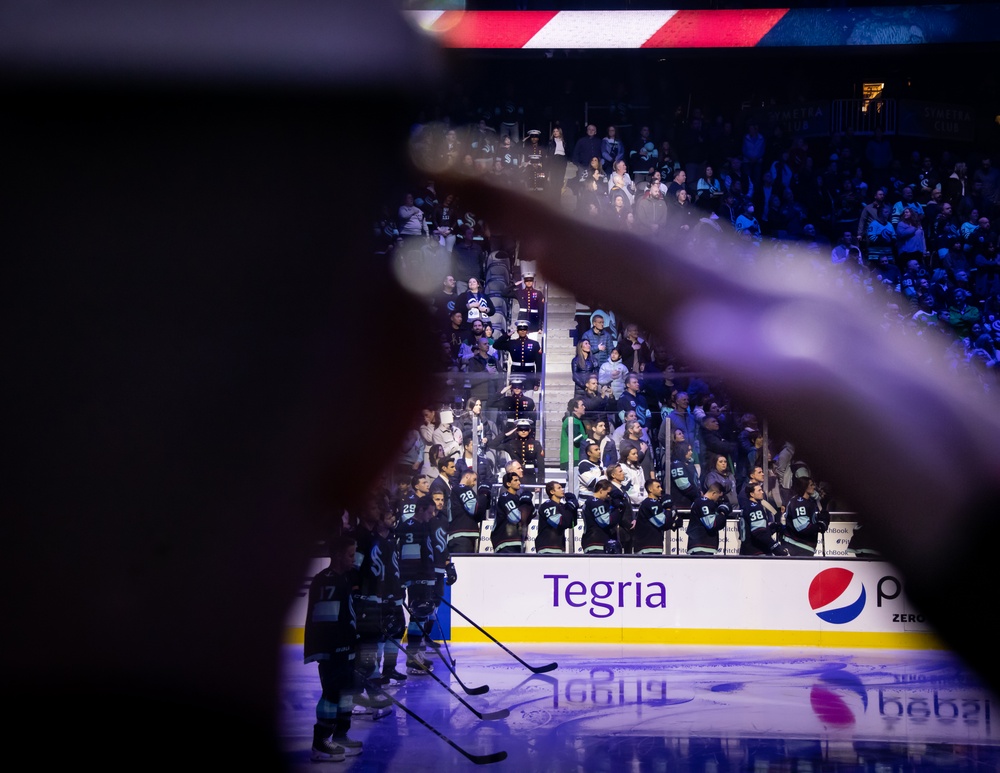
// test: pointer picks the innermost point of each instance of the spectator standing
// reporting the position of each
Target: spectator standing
(612, 151)
(583, 366)
(600, 340)
(573, 432)
(613, 373)
(587, 148)
(754, 147)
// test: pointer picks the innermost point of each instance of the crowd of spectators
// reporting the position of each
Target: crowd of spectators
(913, 229)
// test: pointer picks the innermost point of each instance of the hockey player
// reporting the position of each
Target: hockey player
(444, 569)
(330, 636)
(708, 518)
(683, 477)
(418, 575)
(506, 536)
(805, 519)
(370, 562)
(421, 486)
(554, 517)
(469, 508)
(600, 522)
(589, 470)
(757, 527)
(654, 518)
(392, 594)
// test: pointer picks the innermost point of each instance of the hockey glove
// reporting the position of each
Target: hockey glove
(452, 573)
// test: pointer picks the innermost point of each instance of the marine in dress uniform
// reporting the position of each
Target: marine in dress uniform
(525, 353)
(531, 303)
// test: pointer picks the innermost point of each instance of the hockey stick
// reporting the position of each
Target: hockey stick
(478, 759)
(447, 658)
(490, 715)
(485, 688)
(444, 641)
(534, 669)
(480, 690)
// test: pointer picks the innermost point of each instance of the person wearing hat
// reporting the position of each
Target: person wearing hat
(511, 402)
(530, 300)
(520, 443)
(525, 353)
(533, 161)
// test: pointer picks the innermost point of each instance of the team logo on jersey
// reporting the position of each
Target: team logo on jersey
(837, 595)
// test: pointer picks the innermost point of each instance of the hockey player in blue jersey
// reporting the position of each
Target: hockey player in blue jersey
(555, 516)
(600, 520)
(330, 642)
(757, 527)
(708, 518)
(654, 518)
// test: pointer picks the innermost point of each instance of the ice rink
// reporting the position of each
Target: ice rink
(662, 708)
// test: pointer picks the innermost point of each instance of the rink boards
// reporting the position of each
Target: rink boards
(687, 600)
(677, 600)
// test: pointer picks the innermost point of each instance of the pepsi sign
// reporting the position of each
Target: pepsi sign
(837, 595)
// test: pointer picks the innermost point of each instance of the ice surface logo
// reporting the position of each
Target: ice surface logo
(837, 596)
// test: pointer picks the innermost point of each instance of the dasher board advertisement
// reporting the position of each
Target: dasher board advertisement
(711, 600)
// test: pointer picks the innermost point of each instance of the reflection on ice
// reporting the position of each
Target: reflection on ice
(660, 708)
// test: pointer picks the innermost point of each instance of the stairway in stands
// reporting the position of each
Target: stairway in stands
(560, 326)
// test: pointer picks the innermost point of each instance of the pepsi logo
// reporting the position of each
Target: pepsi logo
(837, 596)
(838, 697)
(830, 708)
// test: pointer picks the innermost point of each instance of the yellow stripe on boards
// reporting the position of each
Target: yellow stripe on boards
(708, 636)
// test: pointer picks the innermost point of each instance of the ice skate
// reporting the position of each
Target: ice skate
(325, 750)
(417, 664)
(351, 748)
